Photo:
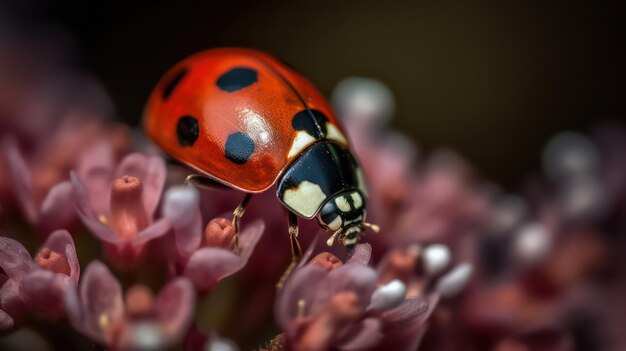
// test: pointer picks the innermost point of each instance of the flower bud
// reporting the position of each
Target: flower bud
(219, 233)
(53, 261)
(127, 209)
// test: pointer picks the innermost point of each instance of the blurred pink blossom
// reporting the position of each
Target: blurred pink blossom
(40, 182)
(37, 285)
(326, 304)
(118, 205)
(206, 259)
(136, 321)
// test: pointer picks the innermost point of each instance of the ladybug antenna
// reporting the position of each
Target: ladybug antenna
(373, 227)
(331, 241)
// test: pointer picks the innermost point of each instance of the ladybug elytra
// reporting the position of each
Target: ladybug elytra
(245, 120)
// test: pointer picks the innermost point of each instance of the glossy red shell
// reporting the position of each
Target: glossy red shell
(263, 111)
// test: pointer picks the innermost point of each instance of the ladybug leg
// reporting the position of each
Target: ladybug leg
(203, 182)
(296, 250)
(237, 214)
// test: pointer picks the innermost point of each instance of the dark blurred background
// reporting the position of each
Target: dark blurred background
(490, 79)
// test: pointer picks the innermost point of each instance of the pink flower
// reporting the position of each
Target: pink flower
(329, 305)
(37, 285)
(118, 205)
(54, 209)
(135, 321)
(207, 259)
(38, 173)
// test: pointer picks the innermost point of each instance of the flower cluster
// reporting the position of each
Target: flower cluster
(458, 264)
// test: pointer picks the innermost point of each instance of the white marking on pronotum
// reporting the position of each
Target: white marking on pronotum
(335, 224)
(305, 199)
(357, 200)
(333, 133)
(300, 142)
(342, 203)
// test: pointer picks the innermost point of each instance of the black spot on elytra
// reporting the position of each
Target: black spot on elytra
(239, 148)
(173, 82)
(187, 130)
(311, 121)
(237, 78)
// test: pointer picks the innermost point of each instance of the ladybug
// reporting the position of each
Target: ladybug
(245, 120)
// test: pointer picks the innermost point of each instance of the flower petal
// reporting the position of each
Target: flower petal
(97, 156)
(361, 254)
(88, 216)
(364, 335)
(82, 198)
(410, 313)
(207, 266)
(174, 308)
(133, 165)
(95, 170)
(249, 237)
(181, 207)
(61, 241)
(302, 284)
(151, 172)
(351, 277)
(153, 184)
(15, 260)
(153, 231)
(21, 179)
(101, 302)
(6, 322)
(313, 248)
(100, 230)
(10, 298)
(73, 308)
(42, 292)
(322, 330)
(58, 208)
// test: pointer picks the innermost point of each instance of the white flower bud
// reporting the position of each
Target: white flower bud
(436, 258)
(387, 296)
(453, 283)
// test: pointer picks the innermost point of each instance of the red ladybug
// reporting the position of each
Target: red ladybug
(245, 120)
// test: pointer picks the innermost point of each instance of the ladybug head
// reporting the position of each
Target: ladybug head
(344, 215)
